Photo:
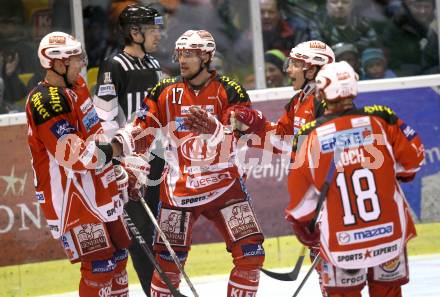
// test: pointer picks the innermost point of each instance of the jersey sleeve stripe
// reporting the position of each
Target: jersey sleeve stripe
(119, 60)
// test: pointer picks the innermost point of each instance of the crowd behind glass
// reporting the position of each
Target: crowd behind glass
(379, 38)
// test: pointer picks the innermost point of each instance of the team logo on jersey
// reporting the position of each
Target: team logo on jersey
(90, 120)
(91, 238)
(350, 138)
(409, 132)
(391, 265)
(195, 149)
(61, 128)
(240, 220)
(107, 78)
(174, 223)
(203, 181)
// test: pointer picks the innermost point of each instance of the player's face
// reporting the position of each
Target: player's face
(190, 62)
(295, 71)
(75, 63)
(152, 35)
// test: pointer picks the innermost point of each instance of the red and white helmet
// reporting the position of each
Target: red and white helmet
(196, 40)
(313, 52)
(58, 45)
(337, 81)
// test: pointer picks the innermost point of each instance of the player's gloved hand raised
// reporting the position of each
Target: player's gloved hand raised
(138, 170)
(201, 122)
(245, 119)
(302, 232)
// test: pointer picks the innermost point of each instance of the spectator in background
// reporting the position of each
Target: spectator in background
(430, 61)
(277, 33)
(273, 63)
(339, 23)
(374, 64)
(407, 35)
(347, 52)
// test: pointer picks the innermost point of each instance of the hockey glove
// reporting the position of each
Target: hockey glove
(138, 170)
(302, 232)
(122, 182)
(245, 119)
(200, 121)
(132, 140)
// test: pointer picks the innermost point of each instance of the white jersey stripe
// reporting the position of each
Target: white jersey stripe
(127, 61)
(129, 106)
(121, 62)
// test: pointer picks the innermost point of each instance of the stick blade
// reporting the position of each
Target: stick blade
(289, 276)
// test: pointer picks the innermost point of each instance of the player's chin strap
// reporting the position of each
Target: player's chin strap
(293, 275)
(63, 75)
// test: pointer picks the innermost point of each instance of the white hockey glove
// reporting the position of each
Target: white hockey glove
(132, 139)
(122, 182)
(138, 170)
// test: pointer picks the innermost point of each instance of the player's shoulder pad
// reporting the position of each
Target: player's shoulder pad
(234, 90)
(47, 102)
(381, 111)
(160, 86)
(307, 128)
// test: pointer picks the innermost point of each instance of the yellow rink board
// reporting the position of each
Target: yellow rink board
(206, 259)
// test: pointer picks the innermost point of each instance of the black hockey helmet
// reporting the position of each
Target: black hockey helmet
(139, 14)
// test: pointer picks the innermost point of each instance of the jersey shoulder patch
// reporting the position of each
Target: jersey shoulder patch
(160, 86)
(307, 128)
(235, 91)
(47, 102)
(381, 111)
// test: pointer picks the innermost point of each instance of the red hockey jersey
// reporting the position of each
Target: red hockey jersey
(62, 125)
(365, 219)
(198, 170)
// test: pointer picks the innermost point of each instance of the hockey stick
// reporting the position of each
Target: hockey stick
(135, 232)
(315, 262)
(168, 246)
(293, 275)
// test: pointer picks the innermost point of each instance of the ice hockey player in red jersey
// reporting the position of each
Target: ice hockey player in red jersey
(74, 178)
(302, 65)
(365, 221)
(201, 178)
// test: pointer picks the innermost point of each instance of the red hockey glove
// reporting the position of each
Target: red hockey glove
(246, 119)
(201, 122)
(122, 182)
(302, 232)
(138, 170)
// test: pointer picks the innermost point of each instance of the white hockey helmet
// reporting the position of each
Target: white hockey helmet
(337, 81)
(196, 40)
(313, 52)
(58, 45)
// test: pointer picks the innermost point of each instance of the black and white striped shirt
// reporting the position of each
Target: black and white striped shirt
(123, 82)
